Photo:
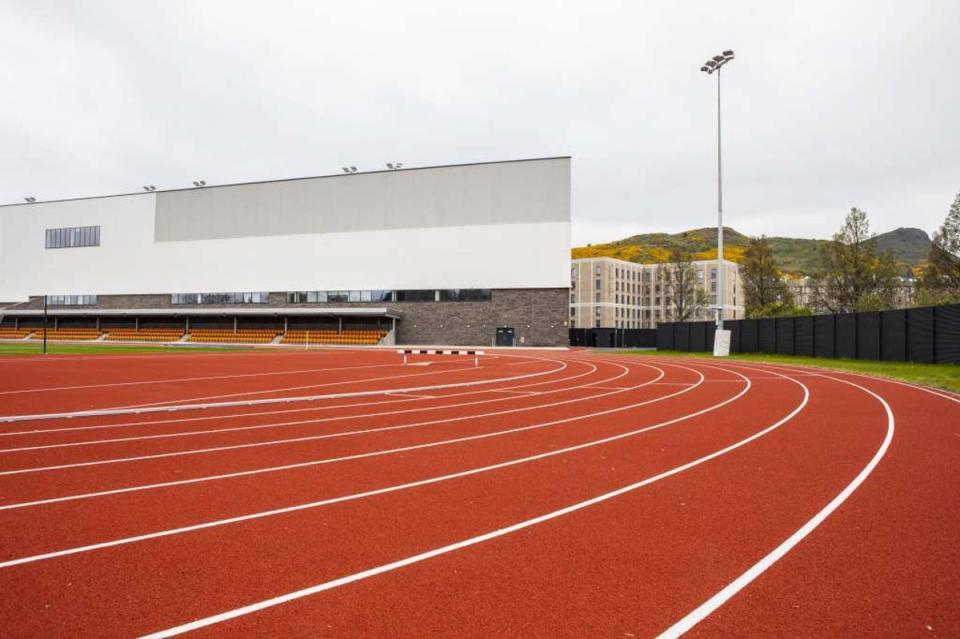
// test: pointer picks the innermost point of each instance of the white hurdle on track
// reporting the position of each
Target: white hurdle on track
(417, 351)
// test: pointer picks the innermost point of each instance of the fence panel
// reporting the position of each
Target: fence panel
(698, 336)
(947, 334)
(893, 336)
(824, 336)
(868, 335)
(665, 340)
(803, 336)
(681, 336)
(748, 336)
(767, 335)
(920, 335)
(846, 337)
(785, 328)
(924, 335)
(734, 328)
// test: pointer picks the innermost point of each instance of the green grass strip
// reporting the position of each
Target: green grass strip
(946, 376)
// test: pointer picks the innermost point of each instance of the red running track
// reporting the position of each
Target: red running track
(564, 494)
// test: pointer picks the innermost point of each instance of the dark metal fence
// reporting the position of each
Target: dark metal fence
(926, 335)
(614, 337)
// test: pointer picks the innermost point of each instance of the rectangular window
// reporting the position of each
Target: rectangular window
(72, 237)
(416, 296)
(257, 297)
(71, 300)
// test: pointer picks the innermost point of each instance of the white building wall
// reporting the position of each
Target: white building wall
(525, 254)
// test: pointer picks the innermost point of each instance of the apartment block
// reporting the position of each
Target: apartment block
(611, 293)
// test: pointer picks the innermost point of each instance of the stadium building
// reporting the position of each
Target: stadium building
(473, 254)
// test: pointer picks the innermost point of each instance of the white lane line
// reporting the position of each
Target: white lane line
(179, 420)
(409, 395)
(37, 469)
(472, 541)
(389, 489)
(284, 389)
(523, 393)
(939, 392)
(710, 605)
(319, 420)
(47, 389)
(256, 471)
(276, 400)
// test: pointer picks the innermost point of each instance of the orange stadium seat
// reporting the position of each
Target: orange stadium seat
(67, 333)
(14, 333)
(359, 337)
(145, 334)
(227, 336)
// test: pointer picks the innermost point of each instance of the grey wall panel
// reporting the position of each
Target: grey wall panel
(522, 192)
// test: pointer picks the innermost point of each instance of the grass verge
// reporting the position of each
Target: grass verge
(945, 376)
(56, 348)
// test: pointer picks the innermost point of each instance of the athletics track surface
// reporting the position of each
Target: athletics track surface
(543, 494)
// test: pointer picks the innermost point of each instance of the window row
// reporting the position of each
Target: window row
(73, 237)
(425, 295)
(220, 298)
(71, 300)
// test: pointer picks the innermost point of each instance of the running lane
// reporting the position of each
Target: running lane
(723, 488)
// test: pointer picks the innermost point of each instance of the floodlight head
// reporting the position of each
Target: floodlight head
(153, 188)
(389, 165)
(30, 199)
(353, 169)
(195, 183)
(345, 169)
(399, 165)
(711, 63)
(202, 183)
(718, 59)
(728, 54)
(705, 69)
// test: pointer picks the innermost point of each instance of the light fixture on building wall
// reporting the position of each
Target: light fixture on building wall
(394, 166)
(31, 199)
(199, 183)
(349, 169)
(149, 188)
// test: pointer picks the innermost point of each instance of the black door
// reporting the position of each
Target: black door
(504, 336)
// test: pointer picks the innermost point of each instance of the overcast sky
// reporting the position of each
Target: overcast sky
(828, 105)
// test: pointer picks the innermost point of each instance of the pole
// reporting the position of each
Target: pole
(44, 324)
(720, 290)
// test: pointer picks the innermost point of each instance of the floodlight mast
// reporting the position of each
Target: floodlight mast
(715, 64)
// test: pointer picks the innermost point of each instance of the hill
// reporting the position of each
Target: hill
(795, 255)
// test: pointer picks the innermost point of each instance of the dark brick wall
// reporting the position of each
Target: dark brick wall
(538, 316)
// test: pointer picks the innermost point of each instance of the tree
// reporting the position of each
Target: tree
(779, 309)
(679, 281)
(762, 283)
(855, 276)
(941, 278)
